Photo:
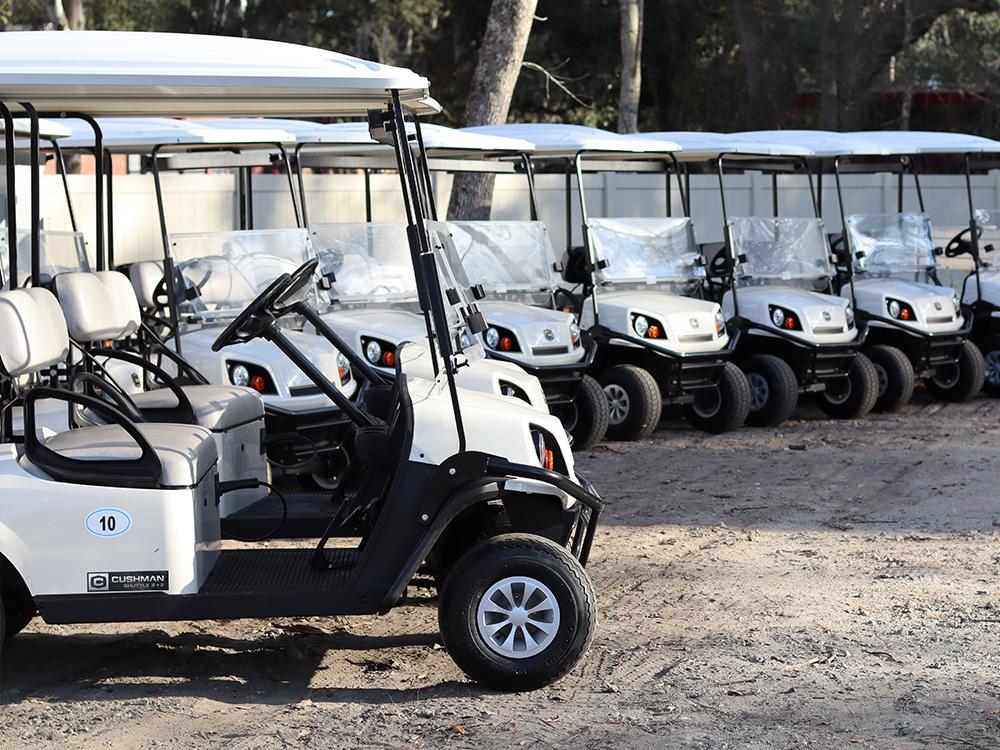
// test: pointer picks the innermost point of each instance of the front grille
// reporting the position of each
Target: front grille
(696, 338)
(940, 319)
(304, 390)
(541, 351)
(828, 329)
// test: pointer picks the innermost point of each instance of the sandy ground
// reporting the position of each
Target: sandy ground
(825, 584)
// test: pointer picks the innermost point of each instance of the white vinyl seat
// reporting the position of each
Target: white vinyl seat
(186, 452)
(35, 338)
(216, 407)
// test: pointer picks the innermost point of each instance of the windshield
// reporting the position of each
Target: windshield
(889, 243)
(452, 276)
(988, 222)
(645, 250)
(225, 271)
(506, 256)
(365, 262)
(771, 249)
(59, 252)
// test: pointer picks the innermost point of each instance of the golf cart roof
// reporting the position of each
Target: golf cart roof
(561, 140)
(439, 140)
(819, 143)
(141, 134)
(122, 73)
(47, 129)
(699, 146)
(929, 142)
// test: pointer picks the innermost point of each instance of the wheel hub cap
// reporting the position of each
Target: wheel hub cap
(759, 390)
(618, 403)
(838, 390)
(518, 617)
(708, 402)
(993, 367)
(883, 379)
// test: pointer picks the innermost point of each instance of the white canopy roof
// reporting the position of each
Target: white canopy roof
(121, 73)
(47, 129)
(929, 142)
(699, 146)
(141, 134)
(439, 140)
(820, 143)
(557, 139)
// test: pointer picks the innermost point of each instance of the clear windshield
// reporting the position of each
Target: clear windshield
(452, 276)
(645, 250)
(59, 252)
(891, 243)
(988, 222)
(776, 250)
(506, 256)
(367, 262)
(225, 271)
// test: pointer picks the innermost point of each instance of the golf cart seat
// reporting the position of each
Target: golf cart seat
(102, 306)
(146, 276)
(120, 454)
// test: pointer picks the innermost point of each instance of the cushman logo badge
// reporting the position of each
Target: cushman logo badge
(937, 305)
(549, 334)
(135, 380)
(694, 323)
(136, 580)
(827, 315)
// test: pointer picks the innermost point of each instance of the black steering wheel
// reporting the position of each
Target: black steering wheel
(957, 245)
(296, 290)
(240, 329)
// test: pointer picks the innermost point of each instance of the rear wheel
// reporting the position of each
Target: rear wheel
(854, 395)
(724, 407)
(517, 612)
(634, 402)
(774, 390)
(962, 381)
(895, 377)
(990, 349)
(591, 415)
(14, 621)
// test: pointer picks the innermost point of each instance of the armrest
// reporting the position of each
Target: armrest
(108, 390)
(184, 410)
(142, 472)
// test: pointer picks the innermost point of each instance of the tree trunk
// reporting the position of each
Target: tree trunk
(500, 56)
(631, 12)
(765, 44)
(67, 14)
(829, 106)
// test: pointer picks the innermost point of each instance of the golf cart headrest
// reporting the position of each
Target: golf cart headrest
(145, 277)
(98, 306)
(34, 331)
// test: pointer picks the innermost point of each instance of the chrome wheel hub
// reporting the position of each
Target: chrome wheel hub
(618, 403)
(883, 378)
(993, 367)
(759, 390)
(518, 617)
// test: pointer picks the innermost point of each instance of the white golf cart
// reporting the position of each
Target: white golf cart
(511, 261)
(639, 294)
(774, 279)
(123, 521)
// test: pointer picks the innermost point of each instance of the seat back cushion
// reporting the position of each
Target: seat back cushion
(145, 276)
(32, 331)
(98, 306)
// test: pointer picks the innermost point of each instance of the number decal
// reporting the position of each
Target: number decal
(108, 522)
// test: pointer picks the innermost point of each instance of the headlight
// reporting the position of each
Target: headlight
(958, 305)
(778, 316)
(574, 332)
(640, 324)
(343, 368)
(899, 310)
(492, 337)
(784, 318)
(373, 352)
(849, 315)
(720, 323)
(239, 375)
(546, 458)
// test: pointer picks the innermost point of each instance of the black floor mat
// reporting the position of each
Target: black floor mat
(277, 570)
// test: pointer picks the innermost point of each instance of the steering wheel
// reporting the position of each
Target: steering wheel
(296, 288)
(957, 246)
(240, 330)
(719, 265)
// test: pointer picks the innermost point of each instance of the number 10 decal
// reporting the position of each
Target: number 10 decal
(108, 522)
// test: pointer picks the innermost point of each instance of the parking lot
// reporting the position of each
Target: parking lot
(824, 583)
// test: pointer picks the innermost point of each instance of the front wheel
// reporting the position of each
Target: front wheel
(990, 349)
(963, 380)
(724, 407)
(517, 612)
(853, 395)
(634, 402)
(591, 415)
(895, 377)
(774, 390)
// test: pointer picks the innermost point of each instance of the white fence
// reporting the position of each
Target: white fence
(200, 202)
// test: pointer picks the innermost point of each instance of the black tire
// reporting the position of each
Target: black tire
(895, 377)
(637, 393)
(853, 396)
(774, 390)
(723, 408)
(493, 561)
(591, 415)
(970, 377)
(14, 622)
(990, 349)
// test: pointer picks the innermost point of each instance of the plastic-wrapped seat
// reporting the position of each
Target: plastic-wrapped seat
(162, 456)
(101, 307)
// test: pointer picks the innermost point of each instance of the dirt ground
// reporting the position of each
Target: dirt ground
(826, 584)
